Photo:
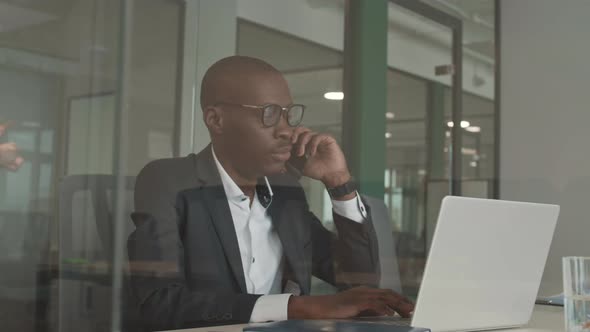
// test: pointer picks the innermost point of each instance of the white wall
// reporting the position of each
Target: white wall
(545, 118)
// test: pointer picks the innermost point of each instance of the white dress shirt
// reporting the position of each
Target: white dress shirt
(260, 247)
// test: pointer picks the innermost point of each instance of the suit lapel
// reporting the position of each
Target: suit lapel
(286, 220)
(216, 202)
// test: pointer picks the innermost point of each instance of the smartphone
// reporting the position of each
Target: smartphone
(296, 164)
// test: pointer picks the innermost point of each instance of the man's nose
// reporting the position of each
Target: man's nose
(282, 129)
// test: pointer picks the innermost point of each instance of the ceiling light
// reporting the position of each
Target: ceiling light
(387, 135)
(469, 151)
(335, 95)
(389, 115)
(473, 129)
(464, 124)
(31, 124)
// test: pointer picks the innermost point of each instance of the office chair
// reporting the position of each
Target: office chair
(86, 230)
(390, 275)
(388, 262)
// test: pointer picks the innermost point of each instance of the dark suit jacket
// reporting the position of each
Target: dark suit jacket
(185, 235)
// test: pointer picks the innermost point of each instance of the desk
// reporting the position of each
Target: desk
(544, 319)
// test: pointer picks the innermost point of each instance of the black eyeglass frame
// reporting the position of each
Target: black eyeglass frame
(272, 108)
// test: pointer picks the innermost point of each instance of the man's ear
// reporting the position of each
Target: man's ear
(213, 118)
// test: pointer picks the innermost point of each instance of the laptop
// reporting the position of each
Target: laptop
(485, 264)
(483, 271)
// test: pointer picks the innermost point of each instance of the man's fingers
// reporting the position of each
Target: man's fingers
(369, 301)
(390, 311)
(397, 298)
(407, 311)
(381, 308)
(296, 132)
(386, 310)
(404, 298)
(399, 303)
(302, 141)
(314, 143)
(392, 301)
(404, 309)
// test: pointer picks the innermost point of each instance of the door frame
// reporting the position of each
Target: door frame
(455, 25)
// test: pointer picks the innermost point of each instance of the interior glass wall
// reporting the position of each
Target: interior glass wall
(420, 122)
(93, 90)
(77, 136)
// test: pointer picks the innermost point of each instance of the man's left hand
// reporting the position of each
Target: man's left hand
(325, 160)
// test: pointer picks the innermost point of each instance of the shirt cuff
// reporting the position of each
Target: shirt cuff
(270, 308)
(353, 209)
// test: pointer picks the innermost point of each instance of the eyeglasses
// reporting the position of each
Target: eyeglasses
(271, 113)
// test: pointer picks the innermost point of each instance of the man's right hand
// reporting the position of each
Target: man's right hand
(350, 303)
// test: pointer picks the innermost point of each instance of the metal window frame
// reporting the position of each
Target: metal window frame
(364, 85)
(497, 97)
(456, 27)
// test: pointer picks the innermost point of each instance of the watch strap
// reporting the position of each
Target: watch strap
(343, 189)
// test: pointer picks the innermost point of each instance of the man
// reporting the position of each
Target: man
(229, 232)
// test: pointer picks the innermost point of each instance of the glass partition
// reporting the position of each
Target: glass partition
(61, 69)
(428, 115)
(114, 217)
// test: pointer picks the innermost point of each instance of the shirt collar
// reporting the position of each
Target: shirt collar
(232, 191)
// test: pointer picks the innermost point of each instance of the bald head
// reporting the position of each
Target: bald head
(238, 79)
(243, 144)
